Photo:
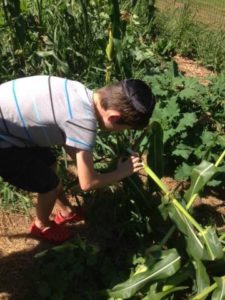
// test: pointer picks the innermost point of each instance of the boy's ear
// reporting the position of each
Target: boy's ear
(113, 117)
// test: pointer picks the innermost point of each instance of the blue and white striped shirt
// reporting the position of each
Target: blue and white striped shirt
(45, 111)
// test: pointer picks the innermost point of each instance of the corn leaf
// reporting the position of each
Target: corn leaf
(195, 247)
(61, 248)
(204, 293)
(202, 278)
(179, 277)
(168, 264)
(155, 156)
(218, 287)
(219, 292)
(154, 295)
(212, 242)
(203, 245)
(109, 47)
(200, 176)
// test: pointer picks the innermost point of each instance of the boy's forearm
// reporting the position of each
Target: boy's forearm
(99, 180)
(90, 179)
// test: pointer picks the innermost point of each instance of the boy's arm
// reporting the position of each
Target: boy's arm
(90, 179)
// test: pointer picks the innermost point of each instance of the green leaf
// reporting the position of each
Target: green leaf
(183, 150)
(168, 265)
(188, 93)
(183, 172)
(155, 157)
(202, 278)
(185, 273)
(195, 247)
(188, 120)
(202, 245)
(200, 176)
(204, 293)
(219, 292)
(174, 69)
(153, 295)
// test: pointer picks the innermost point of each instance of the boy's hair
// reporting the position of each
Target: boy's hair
(134, 100)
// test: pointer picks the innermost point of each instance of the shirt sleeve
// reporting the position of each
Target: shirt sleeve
(81, 135)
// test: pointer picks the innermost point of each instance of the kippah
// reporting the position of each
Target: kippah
(139, 95)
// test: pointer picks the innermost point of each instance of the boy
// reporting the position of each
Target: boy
(38, 112)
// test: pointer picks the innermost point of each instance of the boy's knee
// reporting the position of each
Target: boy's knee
(51, 188)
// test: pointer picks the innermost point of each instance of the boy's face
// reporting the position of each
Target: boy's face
(108, 121)
(114, 127)
(108, 118)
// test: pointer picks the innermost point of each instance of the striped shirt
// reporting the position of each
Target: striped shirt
(45, 111)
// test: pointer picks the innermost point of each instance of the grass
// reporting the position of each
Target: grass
(196, 31)
(206, 11)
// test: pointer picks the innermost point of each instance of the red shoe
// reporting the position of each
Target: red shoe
(56, 234)
(74, 217)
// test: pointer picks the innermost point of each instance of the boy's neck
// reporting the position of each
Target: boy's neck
(97, 106)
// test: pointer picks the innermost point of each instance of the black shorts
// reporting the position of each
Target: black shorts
(29, 168)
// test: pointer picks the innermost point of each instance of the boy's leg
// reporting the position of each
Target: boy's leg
(29, 169)
(44, 207)
(66, 208)
(42, 226)
(62, 201)
(68, 212)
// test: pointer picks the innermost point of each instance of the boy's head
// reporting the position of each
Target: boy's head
(126, 104)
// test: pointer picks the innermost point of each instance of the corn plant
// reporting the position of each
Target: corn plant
(176, 266)
(202, 244)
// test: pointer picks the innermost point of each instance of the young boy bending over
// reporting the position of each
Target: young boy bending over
(39, 112)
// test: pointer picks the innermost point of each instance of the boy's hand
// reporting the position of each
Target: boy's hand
(129, 166)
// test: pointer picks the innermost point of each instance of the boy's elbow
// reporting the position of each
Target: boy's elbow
(88, 183)
(86, 186)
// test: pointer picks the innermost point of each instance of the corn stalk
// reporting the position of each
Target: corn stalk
(207, 244)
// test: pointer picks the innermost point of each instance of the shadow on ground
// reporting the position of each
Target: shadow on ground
(17, 251)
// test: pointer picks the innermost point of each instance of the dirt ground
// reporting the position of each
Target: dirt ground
(17, 248)
(16, 252)
(191, 68)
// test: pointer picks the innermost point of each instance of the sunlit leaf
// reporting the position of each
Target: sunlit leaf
(219, 292)
(203, 245)
(200, 176)
(152, 295)
(168, 264)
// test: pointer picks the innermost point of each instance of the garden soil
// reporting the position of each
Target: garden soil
(17, 248)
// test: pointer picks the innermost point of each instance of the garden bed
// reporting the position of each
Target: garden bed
(17, 249)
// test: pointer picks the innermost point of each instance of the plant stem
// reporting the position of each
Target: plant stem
(187, 215)
(179, 207)
(205, 292)
(156, 179)
(222, 237)
(220, 159)
(191, 201)
(175, 202)
(168, 235)
(195, 195)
